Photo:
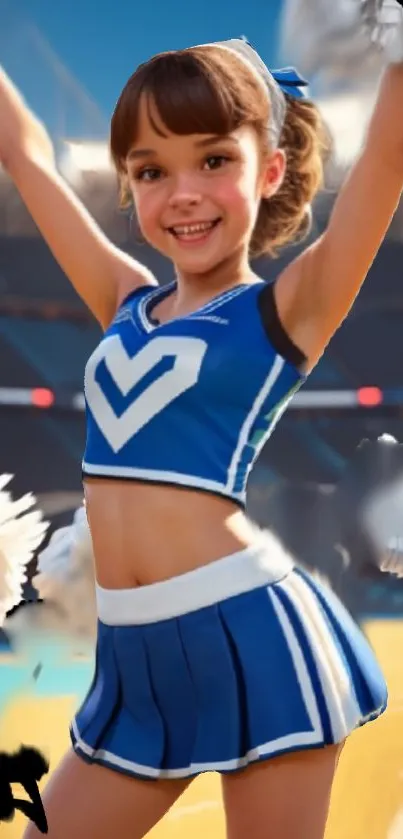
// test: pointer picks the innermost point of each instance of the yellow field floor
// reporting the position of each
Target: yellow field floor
(368, 794)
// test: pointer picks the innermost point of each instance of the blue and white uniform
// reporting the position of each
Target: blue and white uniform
(246, 657)
(189, 402)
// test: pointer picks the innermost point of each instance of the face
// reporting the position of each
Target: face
(197, 196)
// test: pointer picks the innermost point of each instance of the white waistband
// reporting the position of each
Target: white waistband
(261, 564)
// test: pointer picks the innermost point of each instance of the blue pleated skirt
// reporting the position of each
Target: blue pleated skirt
(271, 662)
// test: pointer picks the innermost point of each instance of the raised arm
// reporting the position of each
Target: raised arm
(100, 272)
(315, 293)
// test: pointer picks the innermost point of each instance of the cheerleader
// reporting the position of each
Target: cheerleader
(214, 652)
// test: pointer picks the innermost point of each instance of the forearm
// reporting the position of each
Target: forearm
(385, 130)
(88, 259)
(22, 134)
(71, 233)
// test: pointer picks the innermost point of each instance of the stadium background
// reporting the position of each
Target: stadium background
(71, 61)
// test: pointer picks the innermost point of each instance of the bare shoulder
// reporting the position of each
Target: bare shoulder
(316, 292)
(293, 298)
(131, 275)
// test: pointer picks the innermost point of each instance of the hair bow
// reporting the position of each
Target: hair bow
(290, 82)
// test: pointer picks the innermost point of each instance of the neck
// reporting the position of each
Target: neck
(227, 274)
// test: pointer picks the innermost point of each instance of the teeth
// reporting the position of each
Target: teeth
(187, 229)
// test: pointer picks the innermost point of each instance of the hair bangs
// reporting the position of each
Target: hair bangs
(195, 91)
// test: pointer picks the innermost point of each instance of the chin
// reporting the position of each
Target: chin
(201, 263)
(197, 267)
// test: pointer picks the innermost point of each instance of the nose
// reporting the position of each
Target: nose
(184, 192)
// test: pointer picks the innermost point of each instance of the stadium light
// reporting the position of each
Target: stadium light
(42, 397)
(76, 160)
(369, 397)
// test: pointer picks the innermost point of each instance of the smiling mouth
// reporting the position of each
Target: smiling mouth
(193, 232)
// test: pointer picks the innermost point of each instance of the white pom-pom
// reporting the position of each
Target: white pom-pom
(66, 576)
(21, 533)
(349, 40)
(382, 516)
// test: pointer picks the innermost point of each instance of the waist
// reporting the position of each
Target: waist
(222, 485)
(143, 533)
(261, 564)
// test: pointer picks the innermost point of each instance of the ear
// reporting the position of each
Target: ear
(273, 173)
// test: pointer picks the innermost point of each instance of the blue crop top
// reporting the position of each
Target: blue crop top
(190, 402)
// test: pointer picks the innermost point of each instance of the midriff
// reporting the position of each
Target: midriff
(144, 532)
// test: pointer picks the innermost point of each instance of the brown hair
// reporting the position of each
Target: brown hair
(209, 90)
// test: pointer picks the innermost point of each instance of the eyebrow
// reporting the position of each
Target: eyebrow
(135, 154)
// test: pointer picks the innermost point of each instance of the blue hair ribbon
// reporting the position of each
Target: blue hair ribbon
(290, 82)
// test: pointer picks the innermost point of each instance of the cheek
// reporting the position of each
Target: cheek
(148, 206)
(238, 196)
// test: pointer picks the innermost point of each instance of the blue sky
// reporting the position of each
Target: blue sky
(100, 42)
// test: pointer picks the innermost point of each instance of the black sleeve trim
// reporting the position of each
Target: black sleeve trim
(154, 321)
(275, 331)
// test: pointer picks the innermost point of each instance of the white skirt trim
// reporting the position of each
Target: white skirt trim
(262, 564)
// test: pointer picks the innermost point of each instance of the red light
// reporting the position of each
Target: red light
(41, 397)
(369, 397)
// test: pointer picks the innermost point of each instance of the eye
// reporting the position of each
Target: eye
(148, 173)
(216, 161)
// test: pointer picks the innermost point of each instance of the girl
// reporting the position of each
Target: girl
(213, 651)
